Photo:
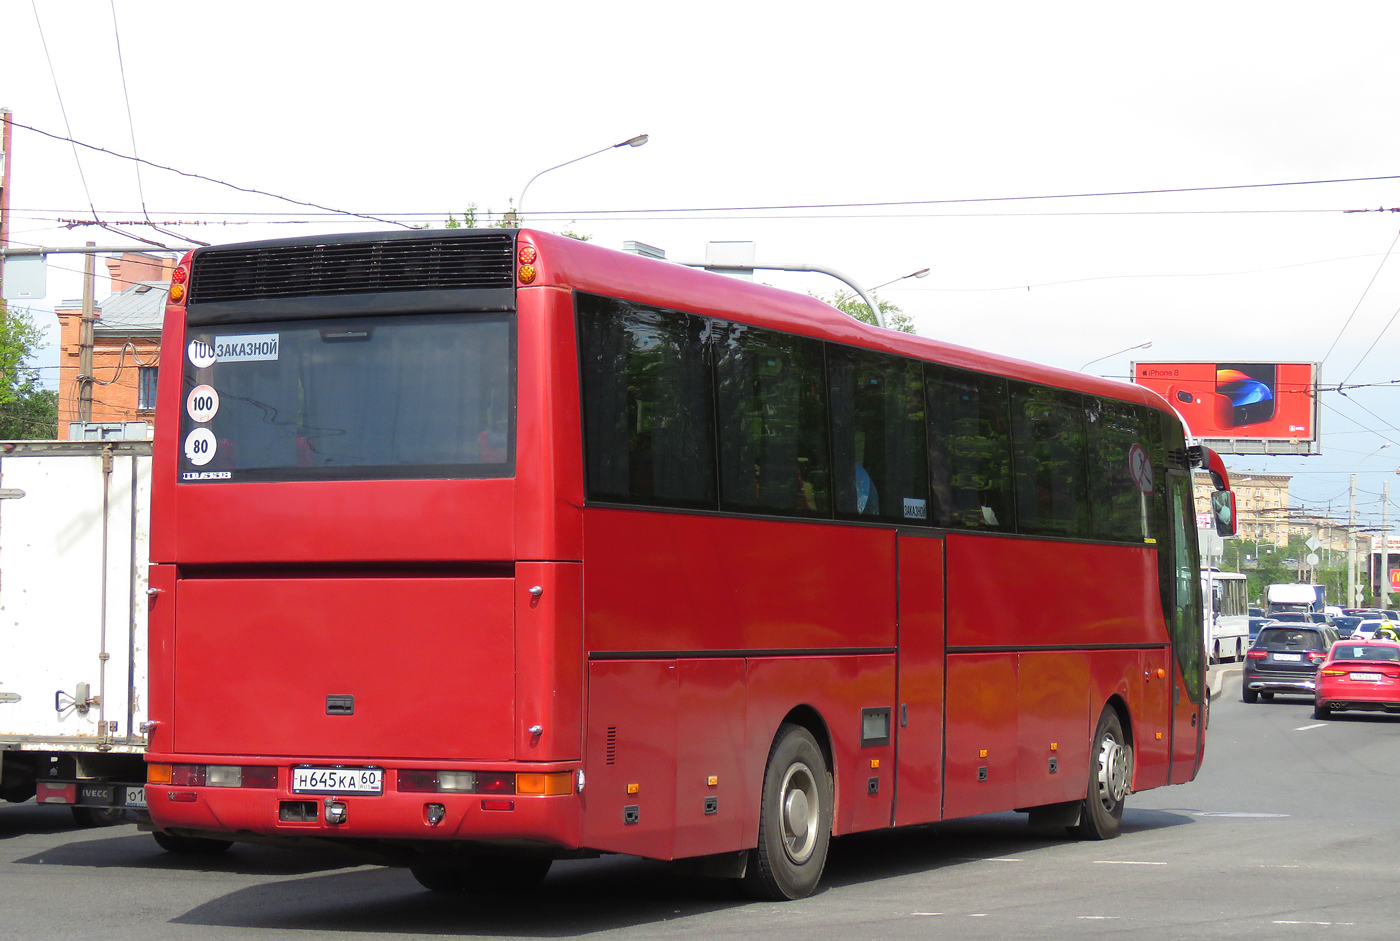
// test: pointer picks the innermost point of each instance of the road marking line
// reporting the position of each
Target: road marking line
(1099, 917)
(1233, 813)
(1125, 862)
(1325, 923)
(926, 913)
(988, 859)
(978, 915)
(1304, 728)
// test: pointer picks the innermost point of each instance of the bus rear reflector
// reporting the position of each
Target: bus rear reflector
(497, 805)
(47, 792)
(561, 782)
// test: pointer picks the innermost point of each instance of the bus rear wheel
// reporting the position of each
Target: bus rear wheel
(1111, 776)
(485, 874)
(98, 816)
(794, 826)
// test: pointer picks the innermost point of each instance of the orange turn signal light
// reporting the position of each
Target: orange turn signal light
(159, 774)
(561, 782)
(526, 274)
(177, 292)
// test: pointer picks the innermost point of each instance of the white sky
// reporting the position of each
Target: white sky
(422, 107)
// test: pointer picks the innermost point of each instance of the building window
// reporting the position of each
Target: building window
(146, 387)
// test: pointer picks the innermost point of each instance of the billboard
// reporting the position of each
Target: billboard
(1241, 407)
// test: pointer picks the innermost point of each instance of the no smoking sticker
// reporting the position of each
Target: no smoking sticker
(200, 446)
(1140, 468)
(202, 403)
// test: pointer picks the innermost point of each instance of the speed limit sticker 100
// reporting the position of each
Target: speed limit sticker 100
(202, 403)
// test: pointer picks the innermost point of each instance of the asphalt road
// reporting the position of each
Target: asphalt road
(1289, 832)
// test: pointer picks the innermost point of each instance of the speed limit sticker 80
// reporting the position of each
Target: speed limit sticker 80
(200, 446)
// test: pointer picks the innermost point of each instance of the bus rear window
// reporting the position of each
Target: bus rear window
(355, 398)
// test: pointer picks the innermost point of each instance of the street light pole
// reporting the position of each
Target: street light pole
(921, 273)
(517, 215)
(1351, 532)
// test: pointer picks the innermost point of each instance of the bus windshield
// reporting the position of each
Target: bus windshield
(353, 398)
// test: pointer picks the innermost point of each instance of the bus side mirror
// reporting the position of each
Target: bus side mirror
(1222, 505)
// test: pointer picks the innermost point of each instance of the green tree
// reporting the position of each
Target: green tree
(469, 221)
(848, 302)
(26, 409)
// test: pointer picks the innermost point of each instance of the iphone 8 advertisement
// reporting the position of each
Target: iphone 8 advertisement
(1237, 400)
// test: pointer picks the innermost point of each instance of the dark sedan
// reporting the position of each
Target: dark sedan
(1285, 659)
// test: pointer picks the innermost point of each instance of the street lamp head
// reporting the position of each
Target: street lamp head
(921, 273)
(637, 141)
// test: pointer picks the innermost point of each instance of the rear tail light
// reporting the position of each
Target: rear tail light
(460, 782)
(1316, 655)
(1334, 672)
(213, 775)
(1257, 654)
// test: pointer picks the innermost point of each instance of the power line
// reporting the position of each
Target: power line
(61, 109)
(200, 176)
(1384, 259)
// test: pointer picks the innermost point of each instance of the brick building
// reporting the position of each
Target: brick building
(126, 343)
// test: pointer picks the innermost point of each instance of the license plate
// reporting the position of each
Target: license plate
(1290, 657)
(337, 780)
(136, 797)
(1373, 677)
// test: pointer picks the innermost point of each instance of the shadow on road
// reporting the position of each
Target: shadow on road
(127, 848)
(586, 896)
(23, 819)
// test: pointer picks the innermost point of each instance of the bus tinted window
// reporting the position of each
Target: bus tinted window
(648, 407)
(358, 398)
(1121, 475)
(1047, 428)
(969, 449)
(877, 435)
(771, 394)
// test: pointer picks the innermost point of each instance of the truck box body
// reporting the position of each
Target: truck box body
(74, 537)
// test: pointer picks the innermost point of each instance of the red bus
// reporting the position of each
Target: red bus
(474, 550)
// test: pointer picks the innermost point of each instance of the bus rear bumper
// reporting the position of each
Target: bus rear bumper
(257, 815)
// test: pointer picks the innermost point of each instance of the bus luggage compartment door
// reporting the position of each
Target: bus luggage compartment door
(358, 668)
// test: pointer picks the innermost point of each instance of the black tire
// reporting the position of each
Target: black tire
(190, 845)
(495, 875)
(794, 823)
(1321, 711)
(1267, 697)
(98, 816)
(1250, 695)
(1110, 777)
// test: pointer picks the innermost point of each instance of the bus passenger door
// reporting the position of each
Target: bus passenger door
(918, 720)
(1180, 571)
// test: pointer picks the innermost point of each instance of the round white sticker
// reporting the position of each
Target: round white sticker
(1140, 468)
(200, 446)
(202, 403)
(201, 353)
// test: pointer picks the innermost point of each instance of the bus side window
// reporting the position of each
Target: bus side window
(647, 404)
(1047, 433)
(1120, 502)
(877, 436)
(969, 447)
(770, 389)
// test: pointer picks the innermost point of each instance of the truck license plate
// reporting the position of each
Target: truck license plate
(337, 780)
(136, 797)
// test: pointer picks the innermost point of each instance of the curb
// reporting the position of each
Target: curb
(1215, 678)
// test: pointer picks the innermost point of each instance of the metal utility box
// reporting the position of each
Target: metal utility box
(74, 541)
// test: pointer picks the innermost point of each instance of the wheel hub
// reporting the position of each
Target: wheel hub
(800, 808)
(1115, 771)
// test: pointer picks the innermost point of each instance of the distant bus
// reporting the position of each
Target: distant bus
(1226, 596)
(480, 549)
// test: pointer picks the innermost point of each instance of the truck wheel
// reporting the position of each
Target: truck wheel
(497, 875)
(98, 816)
(1111, 775)
(190, 845)
(794, 823)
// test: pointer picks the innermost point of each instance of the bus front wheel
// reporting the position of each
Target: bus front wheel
(1111, 776)
(794, 828)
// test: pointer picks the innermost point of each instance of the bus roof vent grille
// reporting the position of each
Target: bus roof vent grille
(357, 267)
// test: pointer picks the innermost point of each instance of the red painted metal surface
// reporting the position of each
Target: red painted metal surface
(918, 720)
(981, 733)
(1019, 592)
(1187, 720)
(549, 672)
(710, 746)
(685, 582)
(1053, 697)
(1151, 713)
(430, 662)
(160, 640)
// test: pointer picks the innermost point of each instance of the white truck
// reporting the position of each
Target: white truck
(74, 538)
(1295, 596)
